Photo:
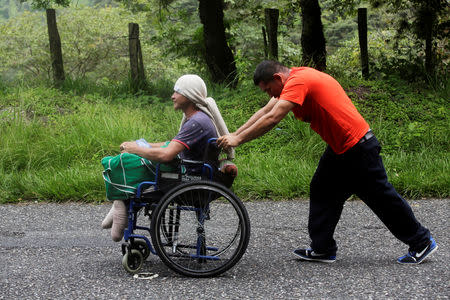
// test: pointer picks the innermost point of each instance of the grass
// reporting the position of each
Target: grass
(52, 140)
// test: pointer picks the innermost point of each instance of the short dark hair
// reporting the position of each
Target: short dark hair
(265, 70)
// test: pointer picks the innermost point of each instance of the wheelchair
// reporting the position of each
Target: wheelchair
(198, 226)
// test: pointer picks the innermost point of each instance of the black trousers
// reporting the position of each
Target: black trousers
(358, 171)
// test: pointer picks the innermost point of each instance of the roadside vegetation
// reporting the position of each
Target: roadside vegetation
(52, 139)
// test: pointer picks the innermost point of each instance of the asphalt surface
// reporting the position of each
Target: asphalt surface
(59, 251)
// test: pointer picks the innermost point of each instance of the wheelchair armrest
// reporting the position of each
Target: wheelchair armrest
(142, 186)
(203, 164)
(192, 162)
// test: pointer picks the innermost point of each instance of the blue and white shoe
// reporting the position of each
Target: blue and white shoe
(309, 254)
(414, 257)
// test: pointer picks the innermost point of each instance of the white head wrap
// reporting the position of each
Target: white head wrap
(194, 88)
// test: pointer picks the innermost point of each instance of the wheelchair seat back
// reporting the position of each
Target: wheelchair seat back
(209, 167)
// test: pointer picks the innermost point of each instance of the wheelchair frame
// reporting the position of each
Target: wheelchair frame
(164, 207)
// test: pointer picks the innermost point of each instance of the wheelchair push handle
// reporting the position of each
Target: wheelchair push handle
(212, 140)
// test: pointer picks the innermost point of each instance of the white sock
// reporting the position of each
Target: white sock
(120, 220)
(108, 220)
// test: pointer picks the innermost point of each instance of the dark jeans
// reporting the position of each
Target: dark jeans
(358, 171)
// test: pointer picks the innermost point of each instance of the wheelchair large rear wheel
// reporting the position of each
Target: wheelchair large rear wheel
(200, 229)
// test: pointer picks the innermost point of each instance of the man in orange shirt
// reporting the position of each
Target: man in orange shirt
(351, 164)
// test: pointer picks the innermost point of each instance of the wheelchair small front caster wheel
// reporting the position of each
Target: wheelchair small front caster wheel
(142, 246)
(132, 261)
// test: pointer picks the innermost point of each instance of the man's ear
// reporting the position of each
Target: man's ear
(282, 77)
(277, 76)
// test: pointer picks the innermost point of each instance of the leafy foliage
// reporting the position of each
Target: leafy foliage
(94, 45)
(37, 4)
(172, 40)
(424, 24)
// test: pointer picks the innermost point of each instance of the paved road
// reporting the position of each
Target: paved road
(58, 251)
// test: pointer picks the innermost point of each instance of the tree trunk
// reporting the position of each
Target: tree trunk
(429, 57)
(219, 57)
(266, 51)
(136, 61)
(271, 17)
(55, 47)
(428, 21)
(362, 33)
(313, 39)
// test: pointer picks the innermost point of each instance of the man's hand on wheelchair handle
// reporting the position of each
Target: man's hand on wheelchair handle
(228, 141)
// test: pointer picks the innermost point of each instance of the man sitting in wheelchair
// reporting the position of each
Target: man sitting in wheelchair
(201, 122)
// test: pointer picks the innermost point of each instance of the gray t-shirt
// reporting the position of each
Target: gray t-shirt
(194, 135)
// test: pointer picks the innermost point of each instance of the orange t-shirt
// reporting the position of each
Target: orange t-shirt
(323, 103)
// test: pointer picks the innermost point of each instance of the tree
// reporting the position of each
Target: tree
(313, 39)
(55, 47)
(209, 39)
(44, 4)
(53, 36)
(219, 57)
(95, 46)
(426, 27)
(426, 19)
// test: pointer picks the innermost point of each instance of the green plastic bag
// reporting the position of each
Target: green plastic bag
(123, 173)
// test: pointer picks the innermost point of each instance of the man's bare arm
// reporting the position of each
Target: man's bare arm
(157, 144)
(260, 127)
(258, 115)
(155, 153)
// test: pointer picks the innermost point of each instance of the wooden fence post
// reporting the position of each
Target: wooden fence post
(136, 61)
(271, 18)
(55, 47)
(362, 33)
